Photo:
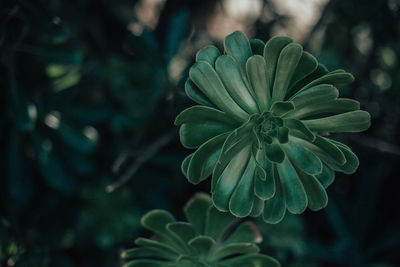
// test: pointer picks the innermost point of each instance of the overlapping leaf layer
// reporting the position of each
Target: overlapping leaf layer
(205, 240)
(258, 127)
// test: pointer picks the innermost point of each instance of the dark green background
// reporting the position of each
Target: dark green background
(84, 103)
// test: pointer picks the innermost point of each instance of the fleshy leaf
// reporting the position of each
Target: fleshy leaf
(252, 260)
(192, 135)
(317, 94)
(257, 46)
(202, 244)
(229, 73)
(217, 222)
(285, 68)
(256, 72)
(275, 207)
(326, 177)
(297, 125)
(156, 221)
(316, 194)
(242, 199)
(202, 114)
(208, 54)
(196, 94)
(303, 158)
(185, 164)
(229, 179)
(274, 153)
(234, 249)
(281, 108)
(205, 77)
(321, 110)
(143, 252)
(354, 121)
(293, 190)
(203, 160)
(196, 210)
(245, 232)
(307, 64)
(336, 79)
(183, 230)
(238, 46)
(272, 51)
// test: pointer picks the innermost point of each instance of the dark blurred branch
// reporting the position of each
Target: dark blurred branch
(147, 154)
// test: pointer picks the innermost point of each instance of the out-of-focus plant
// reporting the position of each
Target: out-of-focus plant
(209, 238)
(261, 127)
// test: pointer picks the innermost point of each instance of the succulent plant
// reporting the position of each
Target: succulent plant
(259, 127)
(209, 238)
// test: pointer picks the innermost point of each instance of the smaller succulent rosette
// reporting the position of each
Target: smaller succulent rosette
(262, 124)
(209, 238)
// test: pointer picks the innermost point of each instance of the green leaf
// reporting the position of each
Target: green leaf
(316, 194)
(252, 260)
(185, 164)
(202, 244)
(256, 72)
(293, 190)
(204, 115)
(321, 110)
(303, 158)
(203, 160)
(283, 134)
(183, 230)
(208, 54)
(280, 108)
(217, 223)
(264, 188)
(196, 209)
(194, 93)
(238, 46)
(258, 207)
(274, 152)
(246, 232)
(307, 64)
(354, 121)
(275, 207)
(352, 162)
(326, 177)
(155, 244)
(156, 221)
(233, 249)
(229, 178)
(257, 46)
(148, 263)
(229, 73)
(205, 77)
(335, 78)
(193, 135)
(151, 252)
(233, 144)
(242, 199)
(324, 149)
(315, 95)
(297, 125)
(286, 66)
(272, 51)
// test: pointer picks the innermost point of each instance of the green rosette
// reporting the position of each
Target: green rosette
(209, 238)
(260, 129)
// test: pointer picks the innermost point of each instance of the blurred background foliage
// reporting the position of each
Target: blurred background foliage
(88, 94)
